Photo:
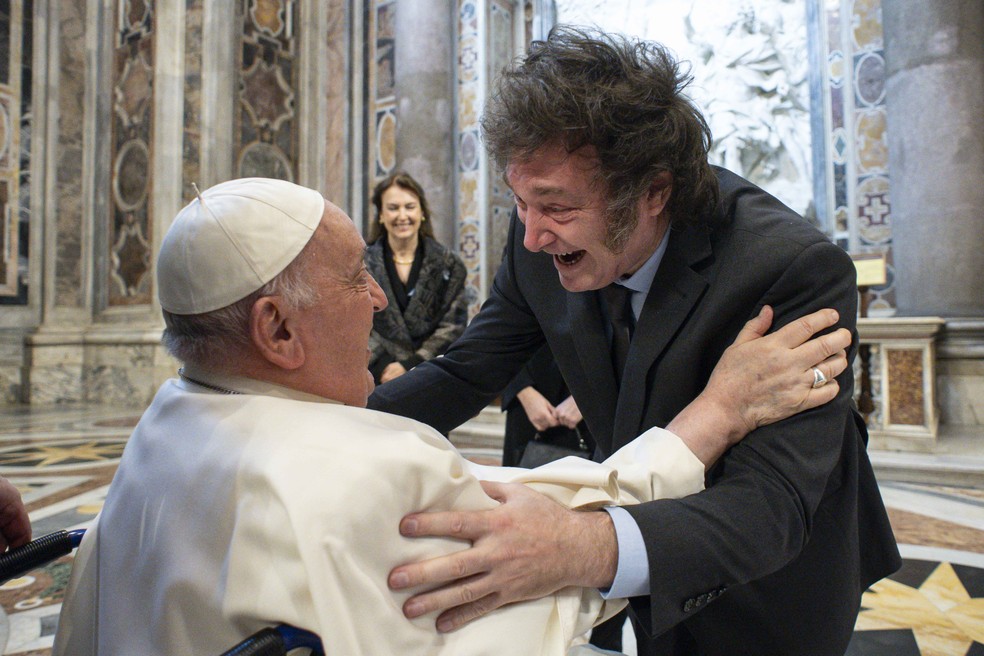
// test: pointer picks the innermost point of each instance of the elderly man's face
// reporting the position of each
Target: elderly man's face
(338, 325)
(565, 213)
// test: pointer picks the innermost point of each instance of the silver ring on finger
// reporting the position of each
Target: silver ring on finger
(819, 380)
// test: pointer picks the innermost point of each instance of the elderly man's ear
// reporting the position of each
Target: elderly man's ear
(272, 331)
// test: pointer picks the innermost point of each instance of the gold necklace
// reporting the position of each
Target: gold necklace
(399, 261)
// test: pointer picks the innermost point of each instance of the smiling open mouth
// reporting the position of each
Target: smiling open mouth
(569, 259)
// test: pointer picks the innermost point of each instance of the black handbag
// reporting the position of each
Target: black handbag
(554, 444)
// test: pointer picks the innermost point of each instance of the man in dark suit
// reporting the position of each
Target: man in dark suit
(608, 162)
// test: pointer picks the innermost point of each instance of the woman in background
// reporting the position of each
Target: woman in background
(424, 282)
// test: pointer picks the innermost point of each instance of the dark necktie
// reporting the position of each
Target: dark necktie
(620, 315)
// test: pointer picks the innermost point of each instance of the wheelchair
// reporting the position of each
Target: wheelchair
(271, 641)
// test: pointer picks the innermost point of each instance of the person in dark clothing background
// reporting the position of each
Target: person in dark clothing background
(424, 282)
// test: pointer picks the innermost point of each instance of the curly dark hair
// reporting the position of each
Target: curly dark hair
(404, 181)
(622, 96)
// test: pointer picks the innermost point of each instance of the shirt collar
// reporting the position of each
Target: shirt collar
(243, 385)
(642, 280)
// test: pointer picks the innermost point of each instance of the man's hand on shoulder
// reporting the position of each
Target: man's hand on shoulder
(761, 379)
(526, 548)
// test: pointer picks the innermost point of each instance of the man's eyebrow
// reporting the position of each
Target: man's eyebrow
(549, 191)
(542, 191)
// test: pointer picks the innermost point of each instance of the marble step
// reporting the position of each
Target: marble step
(485, 431)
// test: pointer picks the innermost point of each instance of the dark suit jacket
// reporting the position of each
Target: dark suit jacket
(435, 315)
(772, 557)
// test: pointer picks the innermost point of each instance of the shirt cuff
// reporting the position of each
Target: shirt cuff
(632, 574)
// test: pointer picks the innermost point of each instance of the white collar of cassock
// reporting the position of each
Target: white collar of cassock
(226, 384)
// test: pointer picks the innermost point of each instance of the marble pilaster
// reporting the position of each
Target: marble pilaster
(960, 365)
(192, 123)
(935, 58)
(53, 365)
(424, 77)
(122, 367)
(219, 39)
(69, 153)
(906, 415)
(11, 356)
(338, 114)
(67, 250)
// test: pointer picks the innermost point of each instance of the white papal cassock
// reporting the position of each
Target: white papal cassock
(233, 512)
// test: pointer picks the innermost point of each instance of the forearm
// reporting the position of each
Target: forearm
(707, 429)
(597, 555)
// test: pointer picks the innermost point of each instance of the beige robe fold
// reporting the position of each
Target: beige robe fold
(232, 512)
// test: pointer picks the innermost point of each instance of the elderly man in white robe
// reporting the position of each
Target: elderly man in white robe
(258, 490)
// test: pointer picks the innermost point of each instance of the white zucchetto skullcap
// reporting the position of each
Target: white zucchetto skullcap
(233, 239)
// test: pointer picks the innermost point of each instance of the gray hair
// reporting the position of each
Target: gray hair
(214, 337)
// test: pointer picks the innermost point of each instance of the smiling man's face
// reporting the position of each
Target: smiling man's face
(564, 208)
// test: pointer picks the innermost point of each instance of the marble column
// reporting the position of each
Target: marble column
(53, 359)
(935, 57)
(424, 78)
(935, 91)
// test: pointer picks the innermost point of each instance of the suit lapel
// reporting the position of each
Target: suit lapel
(675, 291)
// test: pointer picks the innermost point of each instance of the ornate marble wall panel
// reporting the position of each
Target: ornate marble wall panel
(380, 92)
(53, 370)
(336, 80)
(191, 143)
(122, 368)
(855, 175)
(905, 382)
(266, 126)
(15, 110)
(960, 363)
(501, 47)
(130, 227)
(487, 32)
(68, 265)
(471, 160)
(11, 355)
(903, 376)
(121, 374)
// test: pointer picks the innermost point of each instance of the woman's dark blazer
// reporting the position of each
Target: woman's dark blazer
(436, 314)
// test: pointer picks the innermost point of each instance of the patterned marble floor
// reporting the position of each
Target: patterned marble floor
(62, 459)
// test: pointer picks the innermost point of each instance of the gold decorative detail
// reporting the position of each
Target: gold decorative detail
(942, 615)
(867, 25)
(49, 455)
(267, 16)
(386, 142)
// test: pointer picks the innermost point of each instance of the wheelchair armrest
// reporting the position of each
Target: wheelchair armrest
(277, 642)
(38, 552)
